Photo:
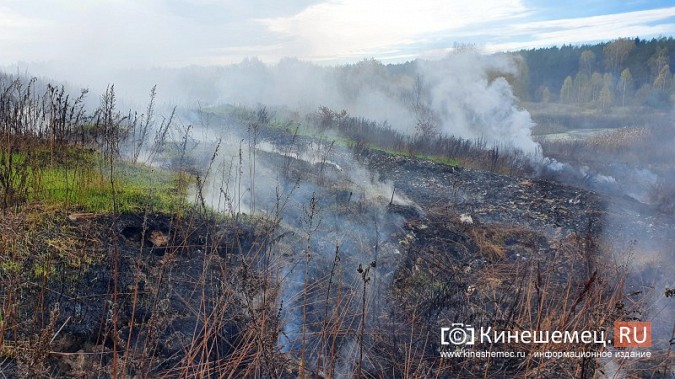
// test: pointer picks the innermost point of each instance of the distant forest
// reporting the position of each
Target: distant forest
(623, 72)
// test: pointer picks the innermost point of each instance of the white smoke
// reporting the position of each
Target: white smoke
(471, 106)
(466, 92)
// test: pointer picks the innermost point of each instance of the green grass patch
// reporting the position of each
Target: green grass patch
(143, 187)
(88, 186)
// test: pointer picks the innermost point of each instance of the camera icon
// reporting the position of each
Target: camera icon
(457, 334)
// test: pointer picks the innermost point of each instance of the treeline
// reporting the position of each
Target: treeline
(616, 73)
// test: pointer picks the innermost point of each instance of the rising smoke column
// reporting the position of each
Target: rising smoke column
(470, 105)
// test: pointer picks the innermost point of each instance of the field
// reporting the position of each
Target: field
(317, 246)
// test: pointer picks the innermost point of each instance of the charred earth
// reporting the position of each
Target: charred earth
(350, 267)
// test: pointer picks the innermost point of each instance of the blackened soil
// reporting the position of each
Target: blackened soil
(146, 286)
(548, 207)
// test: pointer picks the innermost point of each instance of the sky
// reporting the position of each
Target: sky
(124, 34)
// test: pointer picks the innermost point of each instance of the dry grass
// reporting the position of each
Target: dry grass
(623, 138)
(217, 297)
(570, 287)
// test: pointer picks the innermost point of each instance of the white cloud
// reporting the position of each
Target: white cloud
(586, 29)
(347, 28)
(616, 21)
(110, 34)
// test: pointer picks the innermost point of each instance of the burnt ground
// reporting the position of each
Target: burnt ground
(541, 205)
(145, 285)
(547, 207)
(166, 291)
(526, 224)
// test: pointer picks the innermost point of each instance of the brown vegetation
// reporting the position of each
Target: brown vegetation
(197, 293)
